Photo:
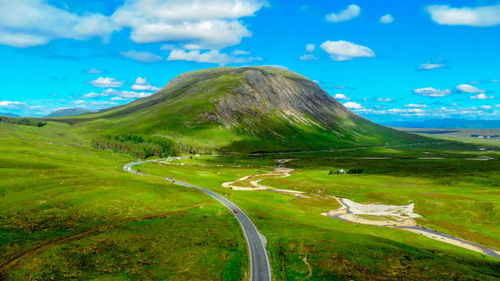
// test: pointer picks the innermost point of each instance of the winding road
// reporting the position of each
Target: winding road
(260, 269)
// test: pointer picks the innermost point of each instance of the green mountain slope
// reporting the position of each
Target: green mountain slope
(245, 109)
(68, 112)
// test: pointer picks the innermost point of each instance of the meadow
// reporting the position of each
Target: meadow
(71, 211)
(454, 195)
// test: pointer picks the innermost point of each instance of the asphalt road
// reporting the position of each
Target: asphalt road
(260, 269)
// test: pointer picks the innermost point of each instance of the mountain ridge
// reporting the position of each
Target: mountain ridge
(244, 109)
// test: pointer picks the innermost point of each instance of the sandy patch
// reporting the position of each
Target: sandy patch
(401, 217)
(374, 214)
(253, 180)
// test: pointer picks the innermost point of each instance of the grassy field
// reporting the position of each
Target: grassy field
(69, 211)
(304, 244)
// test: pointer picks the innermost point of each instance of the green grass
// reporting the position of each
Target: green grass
(340, 250)
(65, 205)
(69, 211)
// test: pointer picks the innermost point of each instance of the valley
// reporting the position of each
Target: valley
(91, 197)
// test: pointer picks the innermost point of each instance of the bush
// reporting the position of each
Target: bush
(355, 171)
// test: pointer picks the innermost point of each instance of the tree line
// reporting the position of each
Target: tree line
(146, 146)
(24, 121)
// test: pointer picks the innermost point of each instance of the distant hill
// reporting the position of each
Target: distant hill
(449, 124)
(68, 112)
(247, 109)
(9, 114)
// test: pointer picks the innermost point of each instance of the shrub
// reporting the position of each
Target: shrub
(355, 171)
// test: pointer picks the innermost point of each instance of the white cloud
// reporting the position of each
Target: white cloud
(431, 66)
(350, 12)
(385, 100)
(486, 107)
(141, 84)
(90, 95)
(308, 57)
(94, 71)
(240, 53)
(211, 56)
(340, 96)
(11, 104)
(310, 47)
(386, 19)
(208, 23)
(481, 97)
(79, 102)
(415, 105)
(141, 56)
(353, 105)
(123, 95)
(26, 23)
(478, 16)
(498, 105)
(344, 50)
(432, 92)
(405, 110)
(106, 82)
(465, 88)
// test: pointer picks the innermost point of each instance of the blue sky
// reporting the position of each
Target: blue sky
(386, 60)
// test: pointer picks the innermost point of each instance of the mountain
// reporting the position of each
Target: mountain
(449, 124)
(68, 112)
(9, 114)
(245, 109)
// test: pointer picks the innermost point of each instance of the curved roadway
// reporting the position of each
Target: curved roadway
(260, 270)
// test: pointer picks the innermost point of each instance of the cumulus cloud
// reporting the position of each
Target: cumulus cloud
(386, 19)
(240, 53)
(211, 56)
(90, 95)
(26, 23)
(481, 97)
(477, 16)
(141, 84)
(79, 102)
(308, 57)
(416, 105)
(123, 95)
(95, 71)
(344, 50)
(310, 47)
(11, 104)
(106, 82)
(348, 13)
(340, 96)
(469, 89)
(385, 100)
(486, 107)
(432, 92)
(431, 66)
(353, 105)
(209, 23)
(141, 56)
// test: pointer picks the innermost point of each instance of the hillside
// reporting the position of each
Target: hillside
(245, 109)
(68, 112)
